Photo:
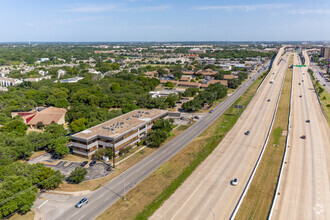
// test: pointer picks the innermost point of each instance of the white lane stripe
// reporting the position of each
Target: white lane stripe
(42, 204)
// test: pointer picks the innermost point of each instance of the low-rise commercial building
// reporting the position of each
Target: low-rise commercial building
(120, 132)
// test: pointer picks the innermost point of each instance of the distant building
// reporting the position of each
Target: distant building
(44, 59)
(185, 79)
(120, 132)
(71, 80)
(6, 82)
(46, 116)
(163, 93)
(60, 73)
(37, 79)
(325, 52)
(196, 50)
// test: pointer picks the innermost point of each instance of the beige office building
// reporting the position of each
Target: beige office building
(125, 130)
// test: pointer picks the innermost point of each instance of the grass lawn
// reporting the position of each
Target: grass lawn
(143, 200)
(28, 216)
(258, 200)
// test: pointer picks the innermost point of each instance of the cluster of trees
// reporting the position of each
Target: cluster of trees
(15, 144)
(234, 83)
(190, 92)
(160, 132)
(89, 100)
(236, 53)
(32, 53)
(212, 93)
(20, 183)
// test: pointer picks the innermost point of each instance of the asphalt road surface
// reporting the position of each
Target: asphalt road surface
(304, 188)
(208, 189)
(104, 197)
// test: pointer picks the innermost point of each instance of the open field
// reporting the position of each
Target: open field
(147, 196)
(28, 216)
(258, 200)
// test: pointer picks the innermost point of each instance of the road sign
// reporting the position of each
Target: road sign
(238, 108)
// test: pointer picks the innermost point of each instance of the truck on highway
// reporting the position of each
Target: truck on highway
(271, 81)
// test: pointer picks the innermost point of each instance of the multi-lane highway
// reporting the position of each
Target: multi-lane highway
(304, 190)
(207, 193)
(105, 196)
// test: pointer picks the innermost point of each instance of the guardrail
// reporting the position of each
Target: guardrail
(260, 156)
(284, 155)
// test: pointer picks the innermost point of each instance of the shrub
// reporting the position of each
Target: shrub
(78, 175)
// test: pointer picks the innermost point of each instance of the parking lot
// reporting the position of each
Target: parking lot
(96, 171)
(66, 167)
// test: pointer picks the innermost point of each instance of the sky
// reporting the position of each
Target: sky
(163, 20)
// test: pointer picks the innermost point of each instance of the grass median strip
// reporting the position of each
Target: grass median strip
(258, 200)
(142, 201)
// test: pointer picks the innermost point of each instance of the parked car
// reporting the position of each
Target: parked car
(84, 163)
(81, 202)
(247, 133)
(181, 118)
(92, 163)
(196, 117)
(308, 121)
(234, 182)
(211, 111)
(303, 137)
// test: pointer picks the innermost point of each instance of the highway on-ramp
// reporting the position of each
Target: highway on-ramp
(105, 196)
(304, 190)
(207, 193)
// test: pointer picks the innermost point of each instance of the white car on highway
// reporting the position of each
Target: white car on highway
(234, 182)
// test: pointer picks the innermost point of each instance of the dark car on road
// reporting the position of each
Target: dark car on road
(247, 133)
(81, 202)
(308, 121)
(84, 163)
(303, 137)
(93, 162)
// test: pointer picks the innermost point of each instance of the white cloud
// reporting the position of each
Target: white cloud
(246, 8)
(310, 11)
(114, 7)
(66, 21)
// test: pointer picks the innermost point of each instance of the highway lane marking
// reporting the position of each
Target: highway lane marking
(236, 190)
(42, 204)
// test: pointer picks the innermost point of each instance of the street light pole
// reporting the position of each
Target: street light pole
(124, 183)
(206, 205)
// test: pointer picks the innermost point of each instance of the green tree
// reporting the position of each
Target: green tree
(156, 137)
(78, 175)
(61, 150)
(16, 195)
(16, 126)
